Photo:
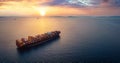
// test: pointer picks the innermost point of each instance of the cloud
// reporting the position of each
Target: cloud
(83, 3)
(64, 7)
(35, 2)
(111, 3)
(74, 3)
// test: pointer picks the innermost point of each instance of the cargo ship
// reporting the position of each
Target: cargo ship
(37, 40)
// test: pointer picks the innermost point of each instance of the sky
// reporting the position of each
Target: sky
(59, 7)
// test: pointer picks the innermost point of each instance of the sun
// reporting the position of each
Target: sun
(42, 12)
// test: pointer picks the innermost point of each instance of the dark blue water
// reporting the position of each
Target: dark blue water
(83, 40)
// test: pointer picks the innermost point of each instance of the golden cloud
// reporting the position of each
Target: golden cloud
(33, 8)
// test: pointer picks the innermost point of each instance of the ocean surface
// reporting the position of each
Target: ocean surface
(82, 39)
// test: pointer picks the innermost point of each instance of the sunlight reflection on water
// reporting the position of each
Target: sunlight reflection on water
(82, 39)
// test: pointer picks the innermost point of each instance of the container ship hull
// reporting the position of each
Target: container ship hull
(39, 39)
(38, 43)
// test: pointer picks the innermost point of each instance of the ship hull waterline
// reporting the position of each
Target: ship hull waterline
(37, 43)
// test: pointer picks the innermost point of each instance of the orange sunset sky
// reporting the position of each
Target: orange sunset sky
(59, 7)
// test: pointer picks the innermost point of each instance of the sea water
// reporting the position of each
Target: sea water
(82, 39)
